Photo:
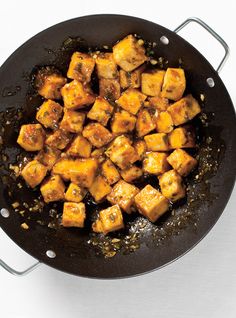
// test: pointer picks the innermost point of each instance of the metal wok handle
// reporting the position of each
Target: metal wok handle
(18, 273)
(212, 32)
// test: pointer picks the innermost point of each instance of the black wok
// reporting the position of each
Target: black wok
(175, 233)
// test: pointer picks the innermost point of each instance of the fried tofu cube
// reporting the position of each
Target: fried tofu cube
(132, 173)
(75, 193)
(53, 189)
(182, 162)
(151, 203)
(129, 54)
(48, 156)
(106, 66)
(80, 147)
(75, 95)
(31, 137)
(81, 67)
(164, 122)
(98, 135)
(101, 111)
(49, 82)
(174, 84)
(131, 79)
(99, 154)
(184, 110)
(121, 152)
(131, 100)
(80, 171)
(59, 139)
(109, 88)
(49, 114)
(34, 173)
(63, 168)
(157, 142)
(109, 220)
(182, 137)
(72, 121)
(151, 83)
(123, 194)
(110, 172)
(73, 214)
(83, 172)
(123, 122)
(156, 163)
(141, 148)
(159, 103)
(100, 189)
(172, 186)
(145, 123)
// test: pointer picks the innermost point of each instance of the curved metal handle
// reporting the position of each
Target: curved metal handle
(17, 273)
(212, 32)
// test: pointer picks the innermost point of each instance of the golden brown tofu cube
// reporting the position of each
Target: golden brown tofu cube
(141, 148)
(131, 100)
(100, 189)
(121, 152)
(131, 79)
(49, 114)
(129, 54)
(151, 82)
(110, 172)
(79, 171)
(151, 203)
(74, 193)
(34, 173)
(174, 84)
(123, 194)
(59, 139)
(101, 111)
(145, 123)
(172, 186)
(72, 121)
(76, 95)
(159, 103)
(106, 66)
(109, 220)
(157, 142)
(156, 163)
(31, 137)
(80, 147)
(83, 172)
(164, 122)
(98, 135)
(73, 214)
(48, 156)
(182, 162)
(53, 189)
(184, 110)
(49, 83)
(63, 167)
(109, 88)
(132, 173)
(182, 137)
(81, 67)
(123, 122)
(99, 154)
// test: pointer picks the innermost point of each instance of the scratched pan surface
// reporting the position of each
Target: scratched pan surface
(175, 233)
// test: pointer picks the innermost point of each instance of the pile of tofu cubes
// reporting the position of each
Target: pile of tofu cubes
(103, 143)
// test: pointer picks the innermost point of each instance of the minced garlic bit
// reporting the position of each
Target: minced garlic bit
(202, 97)
(15, 205)
(24, 226)
(140, 42)
(153, 62)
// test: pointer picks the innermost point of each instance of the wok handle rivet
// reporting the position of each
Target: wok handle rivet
(164, 40)
(210, 82)
(4, 213)
(51, 254)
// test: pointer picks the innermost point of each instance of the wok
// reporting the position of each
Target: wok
(176, 232)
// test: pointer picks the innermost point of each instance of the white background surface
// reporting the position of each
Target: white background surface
(201, 284)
